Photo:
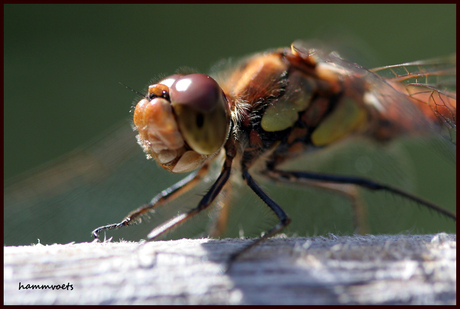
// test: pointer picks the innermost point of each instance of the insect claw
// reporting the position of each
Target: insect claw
(95, 233)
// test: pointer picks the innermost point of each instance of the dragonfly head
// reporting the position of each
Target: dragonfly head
(183, 115)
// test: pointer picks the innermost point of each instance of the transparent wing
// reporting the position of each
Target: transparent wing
(418, 96)
(65, 199)
(430, 81)
(438, 72)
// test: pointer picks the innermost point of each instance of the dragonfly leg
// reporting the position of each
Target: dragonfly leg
(204, 203)
(165, 196)
(282, 216)
(295, 176)
(350, 191)
(359, 207)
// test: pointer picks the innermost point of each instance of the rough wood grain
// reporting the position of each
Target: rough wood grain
(401, 269)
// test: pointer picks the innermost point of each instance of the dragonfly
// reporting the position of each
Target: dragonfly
(275, 106)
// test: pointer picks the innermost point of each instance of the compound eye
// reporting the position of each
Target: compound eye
(202, 112)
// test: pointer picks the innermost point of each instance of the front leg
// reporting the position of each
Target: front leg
(204, 203)
(167, 195)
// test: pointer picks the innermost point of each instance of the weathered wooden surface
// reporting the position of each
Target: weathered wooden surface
(401, 269)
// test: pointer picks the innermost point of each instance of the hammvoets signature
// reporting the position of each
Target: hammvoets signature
(63, 286)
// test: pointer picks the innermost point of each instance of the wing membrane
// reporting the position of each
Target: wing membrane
(430, 81)
(438, 73)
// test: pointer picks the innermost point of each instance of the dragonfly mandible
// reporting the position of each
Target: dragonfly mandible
(278, 105)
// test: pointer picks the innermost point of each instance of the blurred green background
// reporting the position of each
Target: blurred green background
(63, 65)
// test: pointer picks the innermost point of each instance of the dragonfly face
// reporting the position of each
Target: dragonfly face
(275, 106)
(183, 121)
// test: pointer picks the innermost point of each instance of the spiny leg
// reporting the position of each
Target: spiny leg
(359, 208)
(350, 191)
(167, 195)
(362, 182)
(282, 216)
(203, 204)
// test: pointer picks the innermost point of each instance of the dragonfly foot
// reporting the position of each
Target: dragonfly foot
(96, 232)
